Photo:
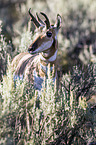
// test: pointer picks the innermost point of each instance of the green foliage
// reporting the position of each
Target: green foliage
(25, 44)
(3, 55)
(61, 114)
(55, 117)
(5, 49)
(78, 29)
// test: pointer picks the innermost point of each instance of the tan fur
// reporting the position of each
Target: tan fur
(25, 63)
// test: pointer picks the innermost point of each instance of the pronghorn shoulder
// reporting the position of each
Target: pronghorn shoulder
(17, 58)
(20, 59)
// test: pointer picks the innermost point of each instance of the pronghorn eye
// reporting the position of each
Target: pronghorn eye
(49, 34)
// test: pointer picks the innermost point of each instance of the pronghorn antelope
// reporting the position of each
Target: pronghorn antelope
(42, 52)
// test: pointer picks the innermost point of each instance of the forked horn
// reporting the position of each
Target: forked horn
(40, 19)
(34, 19)
(47, 20)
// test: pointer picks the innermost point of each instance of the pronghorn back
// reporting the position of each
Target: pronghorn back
(33, 65)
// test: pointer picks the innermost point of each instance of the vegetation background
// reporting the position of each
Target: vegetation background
(66, 115)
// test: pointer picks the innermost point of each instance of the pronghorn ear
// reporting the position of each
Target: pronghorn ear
(58, 22)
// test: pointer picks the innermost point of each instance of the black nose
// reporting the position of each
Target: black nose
(31, 48)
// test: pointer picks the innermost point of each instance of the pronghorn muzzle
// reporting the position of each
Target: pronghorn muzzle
(33, 47)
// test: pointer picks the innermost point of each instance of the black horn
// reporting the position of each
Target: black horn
(47, 20)
(34, 19)
(40, 19)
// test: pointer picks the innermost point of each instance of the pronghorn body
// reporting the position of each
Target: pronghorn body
(42, 52)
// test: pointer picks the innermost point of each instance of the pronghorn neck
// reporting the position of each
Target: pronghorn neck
(50, 54)
(48, 58)
(44, 64)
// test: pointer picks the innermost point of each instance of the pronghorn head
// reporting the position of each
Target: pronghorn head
(47, 37)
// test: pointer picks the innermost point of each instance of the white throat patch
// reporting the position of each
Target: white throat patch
(53, 58)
